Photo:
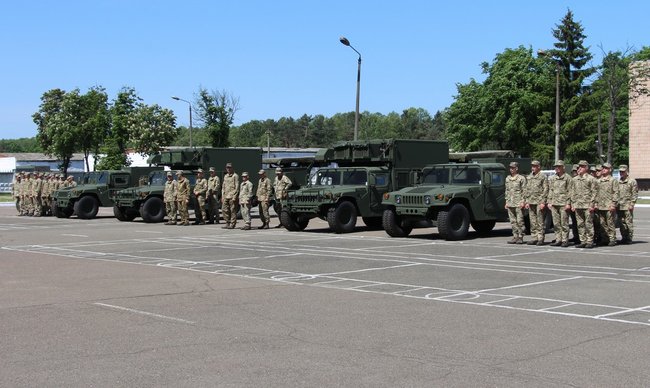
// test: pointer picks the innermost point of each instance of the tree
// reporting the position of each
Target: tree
(573, 58)
(216, 111)
(151, 128)
(117, 140)
(94, 121)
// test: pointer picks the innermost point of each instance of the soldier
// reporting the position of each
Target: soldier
(559, 202)
(214, 184)
(281, 186)
(15, 192)
(229, 194)
(24, 194)
(572, 214)
(70, 182)
(200, 190)
(245, 195)
(169, 196)
(606, 204)
(37, 189)
(628, 193)
(45, 194)
(583, 201)
(264, 192)
(536, 194)
(515, 202)
(29, 198)
(183, 198)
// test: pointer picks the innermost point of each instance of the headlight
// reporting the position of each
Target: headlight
(398, 199)
(427, 199)
(386, 196)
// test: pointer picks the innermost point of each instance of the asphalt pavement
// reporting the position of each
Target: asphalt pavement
(105, 303)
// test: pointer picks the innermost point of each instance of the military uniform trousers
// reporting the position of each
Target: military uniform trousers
(606, 225)
(183, 212)
(170, 208)
(585, 221)
(19, 205)
(246, 213)
(229, 211)
(213, 208)
(200, 208)
(626, 217)
(516, 215)
(264, 212)
(537, 226)
(560, 223)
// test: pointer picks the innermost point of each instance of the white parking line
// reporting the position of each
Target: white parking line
(130, 310)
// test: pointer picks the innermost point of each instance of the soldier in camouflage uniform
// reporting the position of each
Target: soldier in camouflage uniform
(584, 190)
(169, 196)
(628, 193)
(37, 189)
(245, 195)
(29, 196)
(200, 191)
(264, 192)
(70, 182)
(15, 192)
(183, 198)
(281, 187)
(536, 194)
(606, 205)
(559, 201)
(24, 194)
(515, 202)
(45, 194)
(229, 194)
(212, 198)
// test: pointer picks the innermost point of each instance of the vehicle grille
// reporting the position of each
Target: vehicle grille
(412, 200)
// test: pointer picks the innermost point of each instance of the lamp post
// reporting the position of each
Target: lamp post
(543, 53)
(346, 42)
(190, 105)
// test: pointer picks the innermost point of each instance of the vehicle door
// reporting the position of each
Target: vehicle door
(378, 184)
(117, 182)
(495, 193)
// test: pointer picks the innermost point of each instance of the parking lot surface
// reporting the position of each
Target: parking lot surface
(105, 303)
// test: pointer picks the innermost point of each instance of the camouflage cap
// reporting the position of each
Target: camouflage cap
(179, 172)
(535, 163)
(212, 169)
(599, 167)
(244, 174)
(199, 171)
(559, 163)
(592, 169)
(622, 167)
(228, 165)
(607, 166)
(575, 167)
(514, 164)
(169, 173)
(278, 170)
(583, 163)
(261, 172)
(70, 177)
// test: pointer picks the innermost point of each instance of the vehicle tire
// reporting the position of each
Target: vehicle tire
(124, 214)
(343, 217)
(483, 227)
(86, 207)
(62, 212)
(293, 223)
(393, 225)
(453, 224)
(153, 210)
(373, 223)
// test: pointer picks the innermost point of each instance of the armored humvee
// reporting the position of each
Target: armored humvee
(147, 201)
(452, 197)
(366, 170)
(96, 190)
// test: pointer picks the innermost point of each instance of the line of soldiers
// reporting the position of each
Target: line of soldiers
(591, 200)
(33, 191)
(231, 194)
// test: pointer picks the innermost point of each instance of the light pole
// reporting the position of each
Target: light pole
(543, 53)
(190, 105)
(346, 42)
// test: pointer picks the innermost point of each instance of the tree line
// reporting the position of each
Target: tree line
(512, 108)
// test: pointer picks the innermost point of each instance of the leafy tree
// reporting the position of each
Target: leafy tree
(117, 140)
(216, 111)
(151, 128)
(25, 144)
(94, 121)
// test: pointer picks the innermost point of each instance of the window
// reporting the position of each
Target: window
(328, 178)
(436, 176)
(120, 180)
(355, 177)
(466, 175)
(381, 179)
(498, 178)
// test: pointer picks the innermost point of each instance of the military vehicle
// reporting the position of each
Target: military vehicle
(366, 170)
(147, 201)
(97, 189)
(452, 197)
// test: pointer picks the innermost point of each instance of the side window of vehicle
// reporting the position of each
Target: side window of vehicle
(120, 180)
(381, 179)
(498, 178)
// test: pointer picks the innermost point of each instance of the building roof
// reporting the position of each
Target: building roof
(36, 157)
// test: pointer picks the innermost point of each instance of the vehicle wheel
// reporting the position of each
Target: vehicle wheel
(86, 207)
(453, 224)
(124, 214)
(483, 227)
(153, 210)
(62, 212)
(293, 223)
(373, 223)
(343, 217)
(393, 225)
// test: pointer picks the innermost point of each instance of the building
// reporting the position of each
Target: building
(640, 129)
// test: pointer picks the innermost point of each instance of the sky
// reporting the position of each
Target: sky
(281, 58)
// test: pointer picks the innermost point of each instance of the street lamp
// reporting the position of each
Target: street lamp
(190, 105)
(346, 42)
(544, 53)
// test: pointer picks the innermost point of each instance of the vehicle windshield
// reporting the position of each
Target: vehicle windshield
(452, 175)
(436, 176)
(338, 177)
(91, 177)
(157, 178)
